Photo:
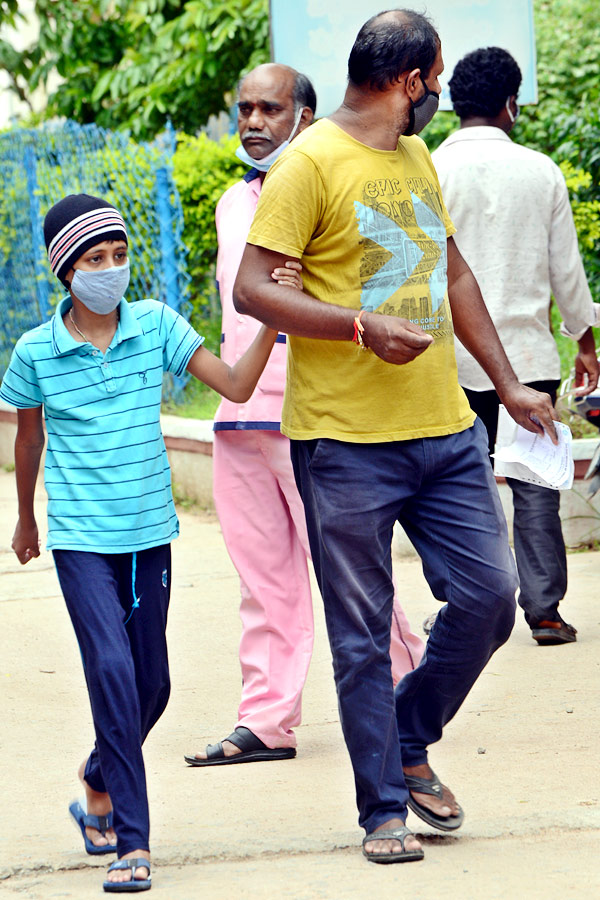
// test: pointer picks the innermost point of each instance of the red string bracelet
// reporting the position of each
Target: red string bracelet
(359, 331)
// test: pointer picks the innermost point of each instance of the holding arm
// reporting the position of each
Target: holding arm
(234, 382)
(393, 339)
(475, 330)
(29, 444)
(237, 382)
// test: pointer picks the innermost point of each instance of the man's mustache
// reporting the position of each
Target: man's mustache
(256, 134)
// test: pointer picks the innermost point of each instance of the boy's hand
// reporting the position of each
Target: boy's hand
(289, 275)
(26, 542)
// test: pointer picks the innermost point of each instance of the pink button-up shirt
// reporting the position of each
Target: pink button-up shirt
(234, 214)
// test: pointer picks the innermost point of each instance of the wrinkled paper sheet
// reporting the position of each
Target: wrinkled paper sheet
(530, 457)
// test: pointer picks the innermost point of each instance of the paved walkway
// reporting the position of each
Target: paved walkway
(522, 756)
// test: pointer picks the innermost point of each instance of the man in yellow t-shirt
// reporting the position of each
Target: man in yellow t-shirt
(380, 429)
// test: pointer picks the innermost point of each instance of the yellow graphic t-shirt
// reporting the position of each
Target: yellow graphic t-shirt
(370, 228)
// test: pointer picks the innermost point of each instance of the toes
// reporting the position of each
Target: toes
(97, 839)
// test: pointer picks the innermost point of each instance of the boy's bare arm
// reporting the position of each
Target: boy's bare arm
(237, 382)
(29, 444)
(234, 382)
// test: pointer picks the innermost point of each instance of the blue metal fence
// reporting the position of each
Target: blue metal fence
(40, 166)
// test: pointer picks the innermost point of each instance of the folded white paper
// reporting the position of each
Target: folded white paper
(530, 457)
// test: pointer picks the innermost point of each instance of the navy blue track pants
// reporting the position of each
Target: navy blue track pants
(118, 605)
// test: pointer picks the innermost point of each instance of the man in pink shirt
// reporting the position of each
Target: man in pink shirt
(259, 508)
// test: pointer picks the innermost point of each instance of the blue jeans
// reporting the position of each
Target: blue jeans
(443, 492)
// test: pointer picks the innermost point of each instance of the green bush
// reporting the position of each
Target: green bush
(203, 170)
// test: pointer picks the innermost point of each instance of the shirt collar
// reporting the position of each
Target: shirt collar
(251, 175)
(478, 133)
(63, 342)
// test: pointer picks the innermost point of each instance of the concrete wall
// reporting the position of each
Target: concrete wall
(189, 447)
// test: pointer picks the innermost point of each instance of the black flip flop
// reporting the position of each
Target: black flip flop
(434, 787)
(395, 834)
(253, 750)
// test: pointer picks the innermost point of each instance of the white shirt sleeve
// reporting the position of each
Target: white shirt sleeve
(567, 275)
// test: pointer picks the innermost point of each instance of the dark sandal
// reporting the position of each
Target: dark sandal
(551, 632)
(253, 750)
(434, 787)
(135, 884)
(100, 823)
(396, 834)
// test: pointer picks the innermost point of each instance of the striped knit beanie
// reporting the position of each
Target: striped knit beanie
(75, 224)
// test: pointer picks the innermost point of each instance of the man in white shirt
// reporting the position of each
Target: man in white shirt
(515, 229)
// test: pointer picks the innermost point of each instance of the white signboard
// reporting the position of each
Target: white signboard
(316, 36)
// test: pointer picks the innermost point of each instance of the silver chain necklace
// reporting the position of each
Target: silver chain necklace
(78, 330)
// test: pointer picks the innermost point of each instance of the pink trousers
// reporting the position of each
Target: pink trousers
(263, 524)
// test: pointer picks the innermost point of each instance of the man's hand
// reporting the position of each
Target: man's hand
(586, 363)
(26, 542)
(394, 340)
(531, 409)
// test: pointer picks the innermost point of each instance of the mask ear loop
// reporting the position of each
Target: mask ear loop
(512, 118)
(296, 122)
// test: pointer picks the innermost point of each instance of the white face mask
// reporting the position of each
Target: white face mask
(512, 118)
(267, 161)
(101, 291)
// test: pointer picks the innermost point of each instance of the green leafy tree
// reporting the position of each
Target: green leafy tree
(134, 63)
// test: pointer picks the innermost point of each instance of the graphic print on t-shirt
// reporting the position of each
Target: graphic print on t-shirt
(404, 263)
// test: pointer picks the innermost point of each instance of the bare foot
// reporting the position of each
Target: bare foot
(229, 749)
(141, 873)
(97, 805)
(444, 806)
(391, 846)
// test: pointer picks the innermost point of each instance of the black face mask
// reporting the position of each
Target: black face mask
(423, 111)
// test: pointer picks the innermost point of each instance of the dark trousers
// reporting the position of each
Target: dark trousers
(118, 606)
(443, 492)
(538, 538)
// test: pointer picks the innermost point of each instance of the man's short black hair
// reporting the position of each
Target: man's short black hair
(481, 82)
(304, 93)
(389, 44)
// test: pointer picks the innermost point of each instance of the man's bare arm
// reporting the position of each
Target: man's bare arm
(476, 332)
(255, 293)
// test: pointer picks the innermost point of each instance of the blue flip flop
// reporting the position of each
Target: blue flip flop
(136, 884)
(101, 823)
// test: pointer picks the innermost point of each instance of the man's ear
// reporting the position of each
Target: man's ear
(412, 82)
(306, 118)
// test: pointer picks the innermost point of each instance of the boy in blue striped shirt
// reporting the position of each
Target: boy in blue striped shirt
(96, 371)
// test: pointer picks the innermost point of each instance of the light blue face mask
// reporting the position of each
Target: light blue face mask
(101, 291)
(267, 161)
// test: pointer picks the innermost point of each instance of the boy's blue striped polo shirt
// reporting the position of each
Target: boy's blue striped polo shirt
(107, 475)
